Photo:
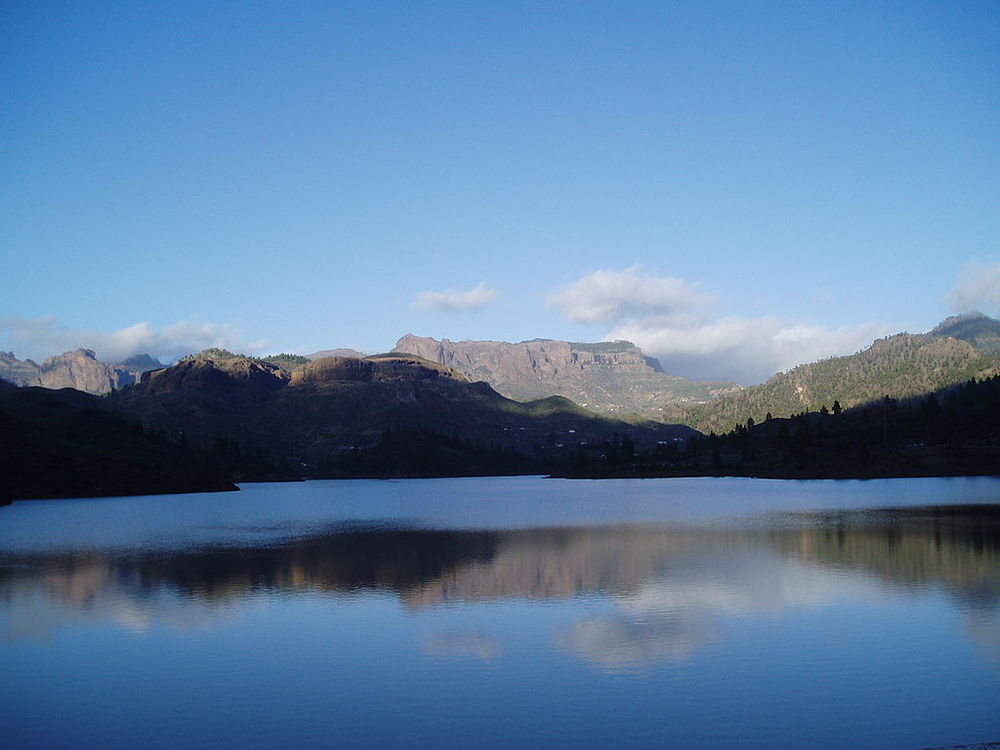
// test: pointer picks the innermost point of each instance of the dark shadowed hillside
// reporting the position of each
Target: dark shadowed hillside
(65, 443)
(382, 415)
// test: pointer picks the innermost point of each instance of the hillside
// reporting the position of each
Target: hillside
(954, 431)
(899, 366)
(65, 443)
(977, 329)
(378, 416)
(613, 378)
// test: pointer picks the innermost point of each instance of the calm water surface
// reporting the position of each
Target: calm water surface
(506, 612)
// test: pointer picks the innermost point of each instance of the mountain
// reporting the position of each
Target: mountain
(382, 415)
(979, 330)
(900, 366)
(140, 363)
(65, 443)
(78, 369)
(16, 372)
(613, 378)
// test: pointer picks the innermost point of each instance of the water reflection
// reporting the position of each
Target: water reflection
(672, 592)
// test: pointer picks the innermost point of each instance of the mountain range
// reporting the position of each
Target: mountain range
(438, 412)
(617, 379)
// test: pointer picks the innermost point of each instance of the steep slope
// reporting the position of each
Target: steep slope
(382, 415)
(65, 443)
(613, 378)
(899, 366)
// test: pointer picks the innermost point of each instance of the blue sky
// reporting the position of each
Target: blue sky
(738, 187)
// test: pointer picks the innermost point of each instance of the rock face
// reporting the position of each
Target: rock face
(80, 369)
(13, 370)
(608, 377)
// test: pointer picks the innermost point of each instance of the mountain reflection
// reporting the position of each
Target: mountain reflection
(672, 589)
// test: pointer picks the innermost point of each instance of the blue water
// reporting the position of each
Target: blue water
(506, 612)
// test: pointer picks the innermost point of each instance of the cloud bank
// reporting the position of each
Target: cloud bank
(453, 301)
(978, 288)
(44, 337)
(671, 319)
(610, 295)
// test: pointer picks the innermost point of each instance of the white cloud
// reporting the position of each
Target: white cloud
(454, 301)
(669, 318)
(44, 337)
(747, 350)
(978, 288)
(610, 295)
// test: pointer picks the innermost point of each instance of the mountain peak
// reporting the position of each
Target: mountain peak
(980, 330)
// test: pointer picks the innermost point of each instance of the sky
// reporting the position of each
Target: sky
(735, 187)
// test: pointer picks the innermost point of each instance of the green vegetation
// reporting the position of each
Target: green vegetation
(292, 360)
(286, 362)
(953, 431)
(977, 329)
(902, 366)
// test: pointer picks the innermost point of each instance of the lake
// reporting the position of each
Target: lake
(506, 612)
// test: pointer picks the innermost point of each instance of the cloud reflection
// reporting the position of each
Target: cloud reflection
(671, 591)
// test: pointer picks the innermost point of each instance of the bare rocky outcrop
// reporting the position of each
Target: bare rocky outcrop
(13, 370)
(82, 370)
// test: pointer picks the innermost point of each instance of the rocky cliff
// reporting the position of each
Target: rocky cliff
(16, 372)
(608, 377)
(82, 370)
